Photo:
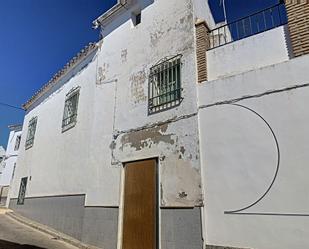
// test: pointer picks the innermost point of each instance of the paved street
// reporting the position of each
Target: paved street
(14, 235)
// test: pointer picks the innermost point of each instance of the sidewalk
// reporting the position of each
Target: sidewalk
(14, 235)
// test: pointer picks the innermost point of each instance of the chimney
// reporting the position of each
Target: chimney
(202, 44)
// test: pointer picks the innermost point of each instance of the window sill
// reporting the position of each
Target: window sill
(29, 146)
(68, 127)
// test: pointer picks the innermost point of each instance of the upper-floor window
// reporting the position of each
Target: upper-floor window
(17, 143)
(31, 132)
(165, 85)
(70, 110)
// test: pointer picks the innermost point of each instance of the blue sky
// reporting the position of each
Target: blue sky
(38, 37)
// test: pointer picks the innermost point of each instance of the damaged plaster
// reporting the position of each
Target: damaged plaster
(124, 54)
(176, 145)
(147, 138)
(102, 72)
(138, 85)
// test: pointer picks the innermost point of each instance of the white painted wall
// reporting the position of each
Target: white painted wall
(10, 159)
(264, 49)
(113, 100)
(2, 155)
(239, 157)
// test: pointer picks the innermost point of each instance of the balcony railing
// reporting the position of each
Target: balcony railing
(256, 23)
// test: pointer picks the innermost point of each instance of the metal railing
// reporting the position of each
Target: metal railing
(256, 23)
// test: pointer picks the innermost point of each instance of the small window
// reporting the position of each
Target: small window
(17, 143)
(165, 85)
(31, 132)
(137, 18)
(70, 110)
(22, 191)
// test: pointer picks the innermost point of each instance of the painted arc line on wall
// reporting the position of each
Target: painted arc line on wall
(277, 167)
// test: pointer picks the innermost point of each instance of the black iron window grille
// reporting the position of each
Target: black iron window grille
(31, 132)
(165, 85)
(256, 23)
(22, 191)
(70, 110)
(17, 143)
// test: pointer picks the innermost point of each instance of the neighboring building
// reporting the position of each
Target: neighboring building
(2, 166)
(2, 157)
(9, 162)
(158, 135)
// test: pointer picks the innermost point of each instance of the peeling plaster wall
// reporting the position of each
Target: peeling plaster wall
(170, 135)
(113, 125)
(254, 150)
(177, 148)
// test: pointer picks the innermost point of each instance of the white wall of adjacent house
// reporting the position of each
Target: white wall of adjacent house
(254, 149)
(264, 49)
(10, 159)
(112, 112)
(2, 156)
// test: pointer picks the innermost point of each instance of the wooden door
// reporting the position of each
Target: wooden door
(140, 206)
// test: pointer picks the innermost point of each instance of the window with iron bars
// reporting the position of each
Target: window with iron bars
(70, 110)
(165, 85)
(31, 132)
(17, 143)
(22, 191)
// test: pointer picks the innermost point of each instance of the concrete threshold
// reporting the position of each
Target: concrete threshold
(48, 230)
(222, 247)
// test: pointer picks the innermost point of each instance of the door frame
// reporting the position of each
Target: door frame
(121, 201)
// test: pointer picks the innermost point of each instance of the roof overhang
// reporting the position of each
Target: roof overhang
(61, 74)
(112, 12)
(17, 127)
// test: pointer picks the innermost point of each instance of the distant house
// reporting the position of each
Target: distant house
(174, 132)
(9, 162)
(2, 157)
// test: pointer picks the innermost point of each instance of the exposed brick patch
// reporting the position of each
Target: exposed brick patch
(298, 16)
(202, 44)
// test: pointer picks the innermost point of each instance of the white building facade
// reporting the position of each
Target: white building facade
(9, 162)
(2, 157)
(147, 138)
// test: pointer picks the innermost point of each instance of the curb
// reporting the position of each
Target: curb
(49, 231)
(4, 210)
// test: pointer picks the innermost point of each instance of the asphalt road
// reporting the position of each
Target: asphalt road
(14, 235)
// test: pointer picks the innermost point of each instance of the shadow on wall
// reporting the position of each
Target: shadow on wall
(10, 245)
(125, 14)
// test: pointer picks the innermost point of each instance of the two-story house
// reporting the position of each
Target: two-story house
(110, 146)
(172, 132)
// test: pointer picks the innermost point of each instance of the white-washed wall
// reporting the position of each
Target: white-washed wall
(11, 158)
(113, 113)
(254, 150)
(268, 48)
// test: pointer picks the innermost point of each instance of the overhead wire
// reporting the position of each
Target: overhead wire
(11, 106)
